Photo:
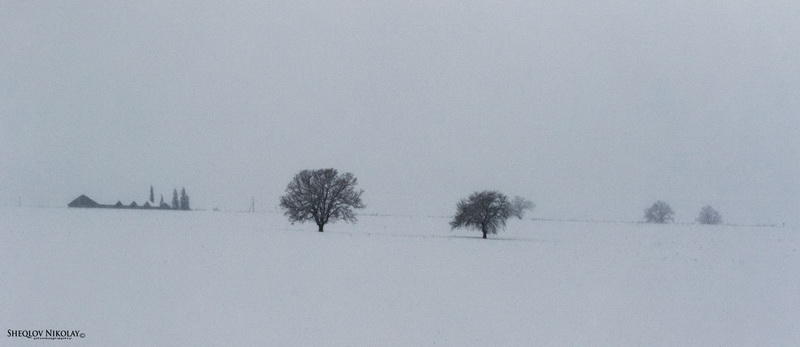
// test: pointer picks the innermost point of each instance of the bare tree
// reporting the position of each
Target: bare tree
(322, 196)
(488, 211)
(708, 215)
(659, 212)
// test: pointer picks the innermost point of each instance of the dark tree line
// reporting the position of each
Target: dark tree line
(179, 202)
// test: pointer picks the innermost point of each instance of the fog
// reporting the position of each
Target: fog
(589, 109)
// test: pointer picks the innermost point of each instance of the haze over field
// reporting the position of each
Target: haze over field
(168, 278)
(591, 110)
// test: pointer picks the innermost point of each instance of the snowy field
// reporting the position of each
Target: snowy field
(148, 278)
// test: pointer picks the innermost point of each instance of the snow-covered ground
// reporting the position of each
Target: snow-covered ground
(147, 278)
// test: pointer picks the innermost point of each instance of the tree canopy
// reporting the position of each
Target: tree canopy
(488, 211)
(660, 212)
(322, 196)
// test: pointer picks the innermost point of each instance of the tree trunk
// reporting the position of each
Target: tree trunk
(484, 233)
(320, 227)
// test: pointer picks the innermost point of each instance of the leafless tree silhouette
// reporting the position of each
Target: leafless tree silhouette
(659, 213)
(322, 196)
(708, 215)
(488, 211)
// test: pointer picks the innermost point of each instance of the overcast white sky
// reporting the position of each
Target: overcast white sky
(592, 109)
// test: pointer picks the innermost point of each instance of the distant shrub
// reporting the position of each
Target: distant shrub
(708, 215)
(660, 212)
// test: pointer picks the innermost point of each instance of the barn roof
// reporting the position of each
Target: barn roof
(83, 201)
